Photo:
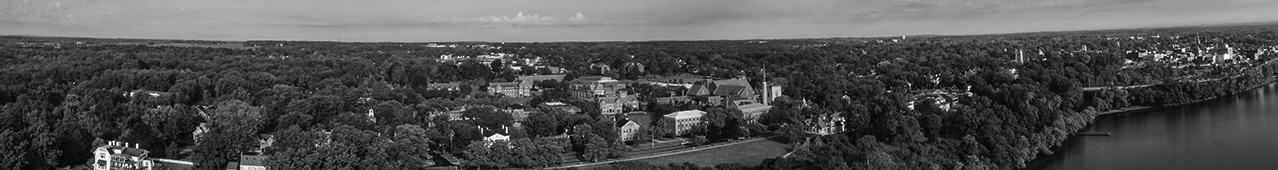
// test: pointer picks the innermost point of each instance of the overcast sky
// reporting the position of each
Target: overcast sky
(599, 20)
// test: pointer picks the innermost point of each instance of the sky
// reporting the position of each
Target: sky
(600, 20)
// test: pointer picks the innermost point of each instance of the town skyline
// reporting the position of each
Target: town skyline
(575, 20)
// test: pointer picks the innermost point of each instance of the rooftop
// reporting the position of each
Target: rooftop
(752, 106)
(596, 79)
(686, 114)
(641, 118)
(252, 160)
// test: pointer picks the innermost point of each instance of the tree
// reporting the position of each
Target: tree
(484, 155)
(643, 135)
(411, 147)
(12, 156)
(488, 117)
(233, 130)
(545, 122)
(596, 149)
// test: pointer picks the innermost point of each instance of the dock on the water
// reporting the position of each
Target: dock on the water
(1092, 133)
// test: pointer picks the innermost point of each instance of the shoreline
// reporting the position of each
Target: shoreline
(1038, 161)
(1132, 109)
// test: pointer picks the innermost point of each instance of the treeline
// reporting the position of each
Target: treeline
(1188, 92)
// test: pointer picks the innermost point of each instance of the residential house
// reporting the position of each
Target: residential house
(682, 122)
(493, 136)
(252, 162)
(264, 141)
(825, 124)
(627, 129)
(199, 132)
(632, 124)
(600, 68)
(121, 155)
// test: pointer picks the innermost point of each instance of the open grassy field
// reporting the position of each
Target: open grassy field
(749, 153)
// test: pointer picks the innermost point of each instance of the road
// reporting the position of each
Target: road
(662, 154)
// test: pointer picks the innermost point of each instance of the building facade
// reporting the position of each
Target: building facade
(511, 89)
(682, 122)
(610, 94)
(121, 155)
(751, 111)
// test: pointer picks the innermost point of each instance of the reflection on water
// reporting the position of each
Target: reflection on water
(1237, 132)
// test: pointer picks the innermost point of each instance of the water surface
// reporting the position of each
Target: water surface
(1233, 132)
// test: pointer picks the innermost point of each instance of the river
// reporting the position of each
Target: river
(1232, 132)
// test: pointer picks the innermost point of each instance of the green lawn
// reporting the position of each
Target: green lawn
(750, 153)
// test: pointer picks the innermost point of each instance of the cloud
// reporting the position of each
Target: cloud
(35, 11)
(547, 20)
(519, 20)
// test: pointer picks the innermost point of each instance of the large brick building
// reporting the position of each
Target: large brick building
(610, 94)
(511, 89)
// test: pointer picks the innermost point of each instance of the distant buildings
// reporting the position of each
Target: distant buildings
(536, 78)
(444, 86)
(682, 122)
(511, 89)
(672, 100)
(561, 106)
(121, 155)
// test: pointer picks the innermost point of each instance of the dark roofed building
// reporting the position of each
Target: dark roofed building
(252, 162)
(715, 92)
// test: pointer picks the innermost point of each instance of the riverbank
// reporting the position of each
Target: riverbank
(1226, 133)
(1133, 109)
(1041, 160)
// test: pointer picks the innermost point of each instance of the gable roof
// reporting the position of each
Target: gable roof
(729, 90)
(508, 84)
(623, 123)
(251, 160)
(641, 119)
(685, 114)
(732, 82)
(556, 77)
(594, 79)
(752, 106)
(699, 89)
